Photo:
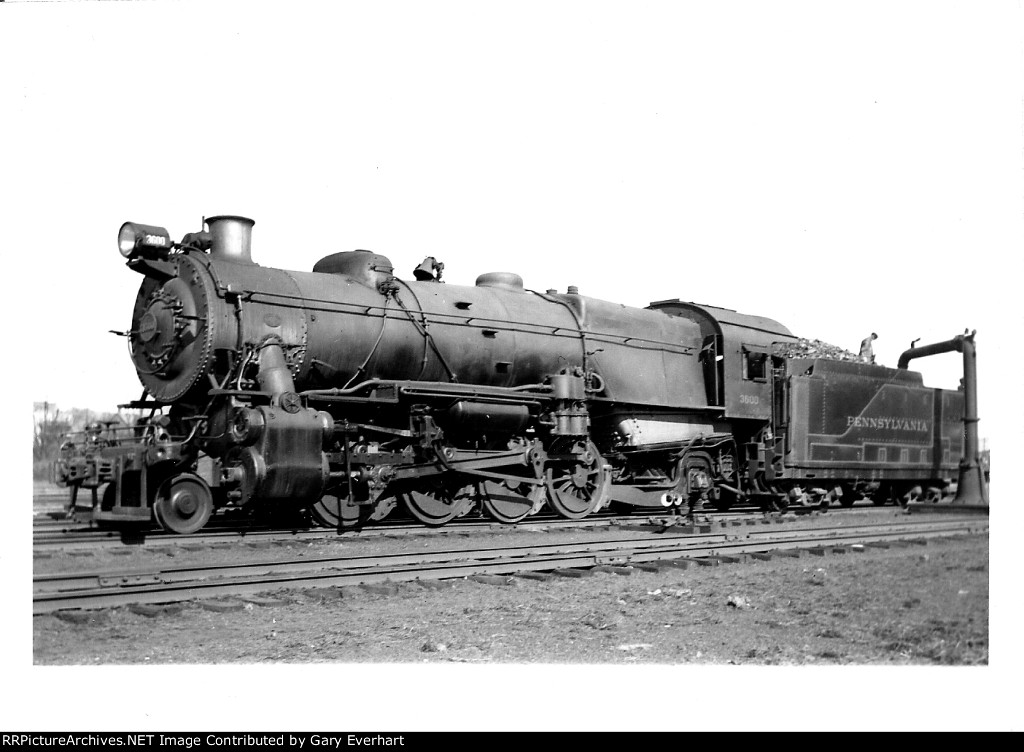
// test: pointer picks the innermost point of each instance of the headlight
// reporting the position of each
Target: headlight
(134, 238)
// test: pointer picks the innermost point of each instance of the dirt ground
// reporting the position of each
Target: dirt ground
(921, 605)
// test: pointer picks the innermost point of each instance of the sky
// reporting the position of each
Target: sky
(843, 168)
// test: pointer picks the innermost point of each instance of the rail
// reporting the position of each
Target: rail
(102, 589)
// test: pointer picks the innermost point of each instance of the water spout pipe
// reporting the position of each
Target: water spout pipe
(972, 490)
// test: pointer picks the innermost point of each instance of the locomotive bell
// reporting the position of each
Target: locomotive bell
(429, 269)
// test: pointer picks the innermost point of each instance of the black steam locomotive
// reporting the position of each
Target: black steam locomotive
(348, 392)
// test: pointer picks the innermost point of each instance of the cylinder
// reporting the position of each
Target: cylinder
(231, 238)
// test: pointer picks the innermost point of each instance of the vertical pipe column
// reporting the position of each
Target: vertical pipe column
(971, 488)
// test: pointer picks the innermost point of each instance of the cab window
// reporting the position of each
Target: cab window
(755, 365)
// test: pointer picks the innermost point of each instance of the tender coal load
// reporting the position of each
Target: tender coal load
(814, 348)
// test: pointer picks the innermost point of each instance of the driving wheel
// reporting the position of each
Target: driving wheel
(575, 489)
(509, 501)
(325, 512)
(435, 502)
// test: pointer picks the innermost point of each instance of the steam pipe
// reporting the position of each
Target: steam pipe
(971, 488)
(274, 375)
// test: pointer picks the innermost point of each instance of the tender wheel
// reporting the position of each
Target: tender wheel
(510, 501)
(575, 490)
(849, 497)
(435, 503)
(881, 495)
(183, 504)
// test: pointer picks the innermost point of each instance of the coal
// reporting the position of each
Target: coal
(815, 348)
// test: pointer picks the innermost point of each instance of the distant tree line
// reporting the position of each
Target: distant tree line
(51, 425)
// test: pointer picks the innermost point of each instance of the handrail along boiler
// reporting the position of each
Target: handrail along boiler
(349, 392)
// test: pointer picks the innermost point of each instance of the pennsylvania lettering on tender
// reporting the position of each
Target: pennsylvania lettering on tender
(898, 424)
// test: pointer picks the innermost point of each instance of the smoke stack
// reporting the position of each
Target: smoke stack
(232, 238)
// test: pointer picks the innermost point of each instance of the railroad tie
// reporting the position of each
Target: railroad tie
(221, 606)
(613, 569)
(491, 579)
(572, 572)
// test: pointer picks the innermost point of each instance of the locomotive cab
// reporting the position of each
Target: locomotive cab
(739, 364)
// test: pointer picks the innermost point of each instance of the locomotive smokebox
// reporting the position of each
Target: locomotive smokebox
(231, 238)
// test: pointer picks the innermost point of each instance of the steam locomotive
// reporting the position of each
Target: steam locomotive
(349, 392)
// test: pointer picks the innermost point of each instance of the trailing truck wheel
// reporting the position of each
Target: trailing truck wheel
(183, 504)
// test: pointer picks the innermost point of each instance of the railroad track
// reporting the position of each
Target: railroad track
(47, 537)
(101, 589)
(52, 534)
